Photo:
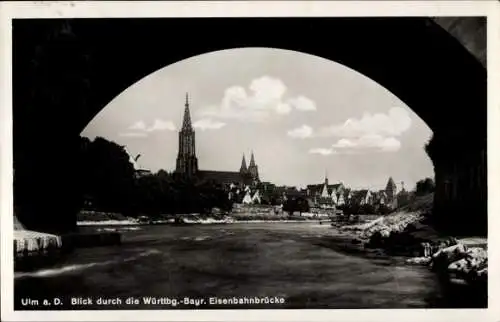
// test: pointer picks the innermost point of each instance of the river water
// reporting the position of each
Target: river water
(294, 265)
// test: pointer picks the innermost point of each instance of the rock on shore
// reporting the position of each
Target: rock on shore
(408, 234)
(463, 263)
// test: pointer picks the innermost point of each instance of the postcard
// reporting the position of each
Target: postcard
(249, 161)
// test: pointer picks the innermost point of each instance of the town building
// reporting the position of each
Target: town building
(363, 197)
(325, 194)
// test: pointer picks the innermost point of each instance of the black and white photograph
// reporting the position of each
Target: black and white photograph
(218, 162)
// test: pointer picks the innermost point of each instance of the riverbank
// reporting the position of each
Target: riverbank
(460, 263)
(239, 215)
(134, 224)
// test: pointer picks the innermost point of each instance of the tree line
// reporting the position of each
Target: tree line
(109, 183)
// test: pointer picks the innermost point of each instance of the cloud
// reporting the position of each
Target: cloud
(134, 134)
(301, 132)
(302, 103)
(160, 125)
(140, 129)
(344, 143)
(208, 124)
(321, 151)
(283, 108)
(365, 144)
(139, 125)
(370, 142)
(264, 97)
(394, 123)
(370, 133)
(267, 89)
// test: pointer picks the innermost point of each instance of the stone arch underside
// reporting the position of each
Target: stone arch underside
(76, 67)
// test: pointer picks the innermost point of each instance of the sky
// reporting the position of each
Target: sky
(303, 116)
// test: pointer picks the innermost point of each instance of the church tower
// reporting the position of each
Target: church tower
(390, 188)
(391, 192)
(187, 163)
(253, 169)
(243, 168)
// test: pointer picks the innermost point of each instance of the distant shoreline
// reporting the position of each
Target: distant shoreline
(214, 222)
(240, 215)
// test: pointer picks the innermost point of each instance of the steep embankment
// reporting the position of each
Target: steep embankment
(409, 232)
(409, 219)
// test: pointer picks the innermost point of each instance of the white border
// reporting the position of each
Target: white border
(9, 10)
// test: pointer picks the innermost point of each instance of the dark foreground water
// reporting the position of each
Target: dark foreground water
(230, 266)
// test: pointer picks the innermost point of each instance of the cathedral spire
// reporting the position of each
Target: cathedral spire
(252, 160)
(253, 169)
(187, 163)
(390, 184)
(186, 122)
(326, 177)
(243, 167)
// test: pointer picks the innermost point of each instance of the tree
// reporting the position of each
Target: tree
(289, 206)
(163, 174)
(302, 205)
(107, 174)
(293, 204)
(424, 187)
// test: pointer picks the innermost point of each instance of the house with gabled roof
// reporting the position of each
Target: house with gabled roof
(341, 200)
(362, 197)
(325, 193)
(380, 197)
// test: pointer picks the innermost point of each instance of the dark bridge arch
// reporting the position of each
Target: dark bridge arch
(66, 71)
